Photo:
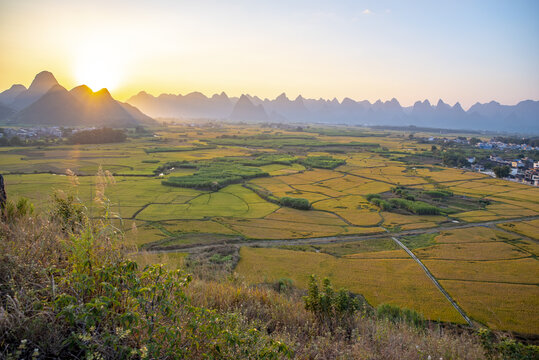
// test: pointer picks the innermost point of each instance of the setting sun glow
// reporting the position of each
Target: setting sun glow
(97, 74)
(98, 65)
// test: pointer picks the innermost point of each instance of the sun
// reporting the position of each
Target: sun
(97, 74)
(99, 63)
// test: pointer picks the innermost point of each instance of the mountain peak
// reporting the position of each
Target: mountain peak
(17, 87)
(458, 107)
(104, 93)
(82, 92)
(84, 88)
(43, 82)
(281, 98)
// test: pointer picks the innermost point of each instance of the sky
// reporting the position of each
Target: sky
(459, 51)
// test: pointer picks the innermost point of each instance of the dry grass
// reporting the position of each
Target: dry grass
(284, 315)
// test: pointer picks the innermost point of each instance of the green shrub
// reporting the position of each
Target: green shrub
(23, 207)
(416, 207)
(68, 212)
(438, 193)
(395, 314)
(333, 309)
(322, 162)
(506, 349)
(296, 203)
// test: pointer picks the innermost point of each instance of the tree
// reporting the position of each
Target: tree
(474, 141)
(16, 141)
(501, 171)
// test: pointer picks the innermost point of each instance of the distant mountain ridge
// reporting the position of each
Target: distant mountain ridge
(522, 117)
(48, 103)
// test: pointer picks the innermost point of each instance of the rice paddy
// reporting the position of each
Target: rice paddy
(491, 270)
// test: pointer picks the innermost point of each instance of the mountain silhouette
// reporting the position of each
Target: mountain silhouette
(522, 117)
(49, 103)
(193, 106)
(245, 110)
(43, 81)
(7, 97)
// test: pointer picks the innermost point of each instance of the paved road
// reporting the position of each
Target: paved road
(429, 274)
(336, 239)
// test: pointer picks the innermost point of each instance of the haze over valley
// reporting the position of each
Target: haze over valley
(46, 102)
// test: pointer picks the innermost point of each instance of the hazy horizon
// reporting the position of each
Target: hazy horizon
(363, 50)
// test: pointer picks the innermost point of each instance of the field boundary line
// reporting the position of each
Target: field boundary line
(438, 285)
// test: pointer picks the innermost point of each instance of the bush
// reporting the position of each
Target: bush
(333, 309)
(296, 203)
(506, 349)
(416, 207)
(438, 193)
(323, 162)
(395, 314)
(23, 207)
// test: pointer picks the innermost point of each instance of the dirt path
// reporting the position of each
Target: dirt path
(337, 239)
(438, 285)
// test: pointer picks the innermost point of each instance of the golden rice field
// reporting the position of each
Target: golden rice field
(526, 228)
(497, 305)
(389, 254)
(490, 273)
(473, 234)
(472, 251)
(518, 271)
(397, 281)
